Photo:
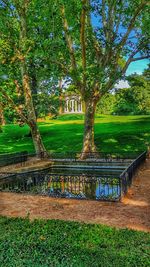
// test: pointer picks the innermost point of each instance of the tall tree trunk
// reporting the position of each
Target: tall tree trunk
(33, 81)
(37, 140)
(2, 118)
(60, 97)
(88, 138)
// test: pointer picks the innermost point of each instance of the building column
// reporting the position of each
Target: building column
(66, 108)
(73, 106)
(77, 106)
(81, 106)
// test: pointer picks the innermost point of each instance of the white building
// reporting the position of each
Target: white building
(73, 104)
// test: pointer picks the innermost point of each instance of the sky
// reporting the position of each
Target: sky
(137, 66)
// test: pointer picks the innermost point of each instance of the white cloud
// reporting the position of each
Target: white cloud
(122, 84)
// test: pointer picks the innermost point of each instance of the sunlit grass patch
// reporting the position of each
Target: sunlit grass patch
(112, 133)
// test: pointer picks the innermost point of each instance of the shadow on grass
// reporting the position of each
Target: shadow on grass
(109, 136)
(143, 119)
(69, 117)
(99, 116)
(45, 123)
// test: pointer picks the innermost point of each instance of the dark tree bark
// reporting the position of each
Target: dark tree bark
(2, 118)
(60, 97)
(37, 140)
(88, 137)
(31, 116)
(33, 82)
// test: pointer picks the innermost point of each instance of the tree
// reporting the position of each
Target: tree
(42, 41)
(47, 105)
(17, 55)
(136, 98)
(60, 97)
(126, 102)
(100, 55)
(106, 104)
(2, 118)
(140, 87)
(146, 73)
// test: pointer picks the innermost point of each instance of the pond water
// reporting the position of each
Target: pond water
(79, 184)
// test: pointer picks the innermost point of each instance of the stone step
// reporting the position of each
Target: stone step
(78, 164)
(85, 167)
(84, 170)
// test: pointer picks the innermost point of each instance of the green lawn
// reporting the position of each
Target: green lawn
(60, 244)
(112, 133)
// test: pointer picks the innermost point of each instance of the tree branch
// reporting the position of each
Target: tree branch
(83, 39)
(132, 59)
(11, 102)
(111, 11)
(140, 58)
(109, 31)
(118, 24)
(131, 24)
(117, 75)
(104, 20)
(62, 66)
(82, 33)
(96, 45)
(68, 39)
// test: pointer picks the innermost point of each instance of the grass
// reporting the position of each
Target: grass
(55, 243)
(112, 133)
(60, 244)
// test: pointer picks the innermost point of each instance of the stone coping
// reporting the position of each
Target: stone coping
(25, 169)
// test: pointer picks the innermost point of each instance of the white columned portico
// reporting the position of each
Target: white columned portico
(73, 104)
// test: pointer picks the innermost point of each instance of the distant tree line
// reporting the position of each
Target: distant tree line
(134, 100)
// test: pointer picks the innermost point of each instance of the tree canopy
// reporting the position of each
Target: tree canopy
(91, 43)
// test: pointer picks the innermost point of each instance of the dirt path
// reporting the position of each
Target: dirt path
(133, 212)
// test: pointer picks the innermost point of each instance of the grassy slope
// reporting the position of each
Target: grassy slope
(58, 243)
(112, 133)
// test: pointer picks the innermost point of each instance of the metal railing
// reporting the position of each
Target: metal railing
(13, 158)
(97, 186)
(82, 186)
(127, 175)
(107, 156)
(21, 157)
